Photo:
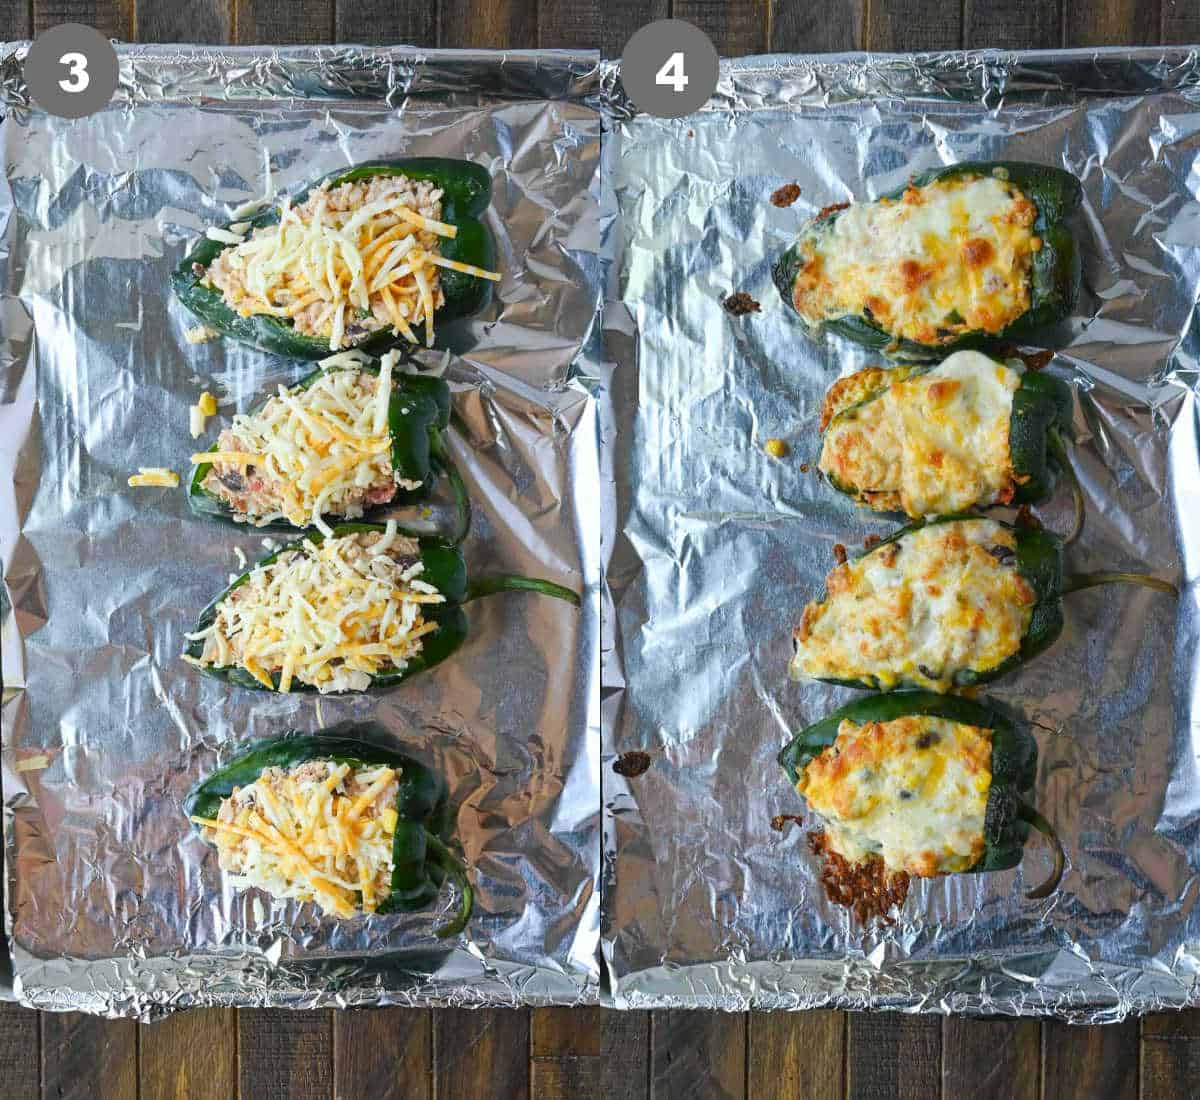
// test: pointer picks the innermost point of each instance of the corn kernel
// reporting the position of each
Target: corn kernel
(207, 404)
(777, 448)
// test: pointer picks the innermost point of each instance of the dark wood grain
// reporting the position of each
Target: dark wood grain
(793, 1054)
(489, 24)
(291, 22)
(195, 21)
(1170, 1063)
(566, 1053)
(993, 1059)
(386, 22)
(88, 1058)
(625, 1049)
(20, 1052)
(604, 25)
(1083, 1063)
(1012, 24)
(481, 1052)
(696, 1054)
(736, 28)
(113, 18)
(1112, 22)
(816, 28)
(284, 1055)
(190, 1056)
(16, 17)
(383, 1053)
(1180, 22)
(891, 1056)
(896, 26)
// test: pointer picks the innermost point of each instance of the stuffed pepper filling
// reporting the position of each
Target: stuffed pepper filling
(331, 614)
(319, 831)
(311, 451)
(951, 257)
(344, 263)
(940, 600)
(912, 792)
(925, 443)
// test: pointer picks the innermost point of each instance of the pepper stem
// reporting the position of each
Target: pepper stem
(1031, 816)
(1076, 582)
(507, 582)
(449, 863)
(462, 500)
(1058, 448)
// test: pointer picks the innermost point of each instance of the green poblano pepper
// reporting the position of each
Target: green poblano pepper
(419, 413)
(421, 854)
(444, 568)
(466, 192)
(1054, 277)
(1014, 770)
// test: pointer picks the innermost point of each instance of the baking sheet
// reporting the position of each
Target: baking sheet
(114, 905)
(718, 546)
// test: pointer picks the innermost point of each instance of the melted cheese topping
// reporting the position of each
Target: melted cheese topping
(348, 261)
(153, 477)
(330, 614)
(943, 599)
(310, 452)
(932, 444)
(951, 257)
(320, 831)
(912, 791)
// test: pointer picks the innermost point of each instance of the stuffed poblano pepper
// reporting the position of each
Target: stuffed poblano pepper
(365, 258)
(353, 436)
(942, 604)
(928, 784)
(961, 256)
(969, 432)
(332, 818)
(363, 609)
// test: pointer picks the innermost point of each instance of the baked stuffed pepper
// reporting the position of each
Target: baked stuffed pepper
(944, 604)
(960, 257)
(919, 785)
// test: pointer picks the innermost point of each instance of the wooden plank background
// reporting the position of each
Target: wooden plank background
(559, 1054)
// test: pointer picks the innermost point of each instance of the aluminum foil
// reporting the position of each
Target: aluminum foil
(113, 904)
(718, 546)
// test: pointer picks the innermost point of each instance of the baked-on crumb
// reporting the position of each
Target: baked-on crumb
(740, 303)
(780, 821)
(631, 764)
(839, 553)
(785, 195)
(871, 541)
(869, 890)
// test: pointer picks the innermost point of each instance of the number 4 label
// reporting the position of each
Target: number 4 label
(671, 74)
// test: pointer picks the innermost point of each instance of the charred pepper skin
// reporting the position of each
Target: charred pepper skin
(466, 193)
(445, 569)
(421, 854)
(1009, 813)
(1054, 278)
(418, 418)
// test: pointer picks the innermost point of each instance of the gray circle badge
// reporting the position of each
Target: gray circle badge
(71, 70)
(669, 68)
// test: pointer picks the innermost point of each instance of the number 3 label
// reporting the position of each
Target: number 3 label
(79, 79)
(672, 74)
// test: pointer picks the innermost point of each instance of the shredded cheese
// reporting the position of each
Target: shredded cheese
(348, 261)
(331, 614)
(320, 831)
(316, 451)
(154, 477)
